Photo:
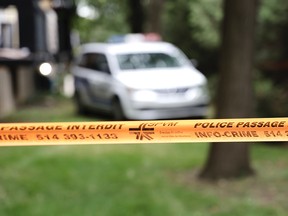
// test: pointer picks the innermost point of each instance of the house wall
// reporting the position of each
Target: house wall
(25, 88)
(7, 102)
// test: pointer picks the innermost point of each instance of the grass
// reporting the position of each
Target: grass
(130, 179)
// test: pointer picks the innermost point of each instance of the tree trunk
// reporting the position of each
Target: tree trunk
(154, 16)
(235, 92)
(136, 16)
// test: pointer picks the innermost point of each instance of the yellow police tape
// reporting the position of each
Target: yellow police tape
(137, 132)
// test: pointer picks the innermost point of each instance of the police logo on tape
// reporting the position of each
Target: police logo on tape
(142, 132)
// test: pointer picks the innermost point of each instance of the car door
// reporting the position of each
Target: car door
(99, 87)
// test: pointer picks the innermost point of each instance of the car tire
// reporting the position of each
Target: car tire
(80, 107)
(117, 110)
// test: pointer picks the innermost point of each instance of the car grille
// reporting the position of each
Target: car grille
(171, 91)
(175, 108)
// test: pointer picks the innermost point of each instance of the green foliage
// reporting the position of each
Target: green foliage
(176, 28)
(272, 50)
(198, 20)
(194, 26)
(272, 34)
(205, 17)
(110, 19)
(273, 11)
(271, 97)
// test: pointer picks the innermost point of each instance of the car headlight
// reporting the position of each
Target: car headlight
(142, 95)
(197, 91)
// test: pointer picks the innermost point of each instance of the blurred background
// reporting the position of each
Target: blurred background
(39, 40)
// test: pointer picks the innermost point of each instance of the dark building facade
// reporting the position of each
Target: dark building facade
(37, 31)
(31, 32)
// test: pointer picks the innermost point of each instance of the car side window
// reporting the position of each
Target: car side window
(95, 61)
(82, 61)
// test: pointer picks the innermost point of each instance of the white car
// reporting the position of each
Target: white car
(139, 81)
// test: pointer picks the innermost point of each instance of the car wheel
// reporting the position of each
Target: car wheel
(80, 108)
(117, 110)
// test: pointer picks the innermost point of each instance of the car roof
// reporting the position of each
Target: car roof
(130, 47)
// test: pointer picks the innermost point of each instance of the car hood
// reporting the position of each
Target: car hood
(161, 78)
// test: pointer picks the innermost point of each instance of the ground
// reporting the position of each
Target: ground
(158, 179)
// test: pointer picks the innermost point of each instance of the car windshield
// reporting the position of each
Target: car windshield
(148, 61)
